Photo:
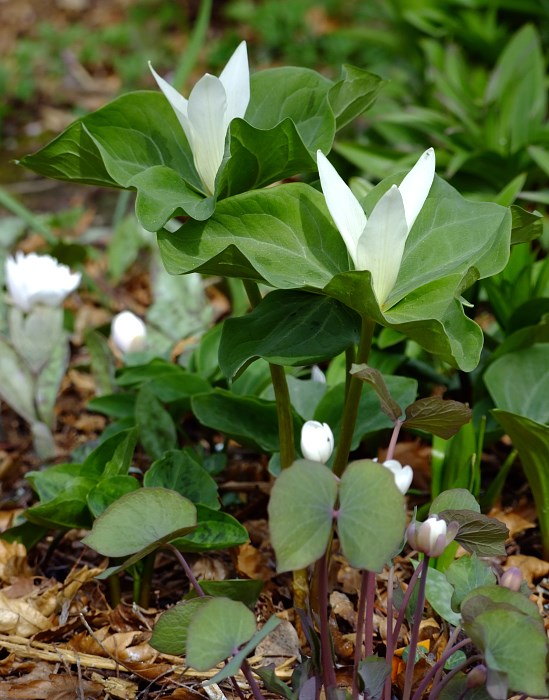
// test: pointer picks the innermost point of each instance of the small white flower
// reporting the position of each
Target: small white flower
(377, 243)
(38, 279)
(317, 441)
(403, 475)
(128, 332)
(432, 536)
(206, 115)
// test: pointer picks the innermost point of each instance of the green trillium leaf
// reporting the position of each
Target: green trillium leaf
(285, 237)
(136, 142)
(288, 327)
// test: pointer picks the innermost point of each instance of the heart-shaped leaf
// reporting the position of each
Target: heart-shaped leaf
(301, 514)
(141, 521)
(478, 533)
(372, 515)
(170, 631)
(216, 631)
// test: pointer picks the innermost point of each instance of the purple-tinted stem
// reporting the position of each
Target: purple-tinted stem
(389, 656)
(450, 649)
(394, 438)
(188, 570)
(418, 614)
(402, 612)
(451, 641)
(254, 687)
(359, 631)
(370, 603)
(435, 690)
(328, 670)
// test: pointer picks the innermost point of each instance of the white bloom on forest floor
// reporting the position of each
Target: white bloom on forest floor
(432, 536)
(128, 332)
(376, 243)
(317, 441)
(38, 279)
(206, 115)
(403, 474)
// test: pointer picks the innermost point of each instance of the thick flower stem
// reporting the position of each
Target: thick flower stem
(350, 410)
(282, 395)
(412, 648)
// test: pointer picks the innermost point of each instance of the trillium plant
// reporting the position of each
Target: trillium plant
(228, 179)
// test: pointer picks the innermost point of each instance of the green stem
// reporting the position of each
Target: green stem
(145, 580)
(282, 395)
(32, 221)
(114, 589)
(350, 410)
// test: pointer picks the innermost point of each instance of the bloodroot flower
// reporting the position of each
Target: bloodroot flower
(38, 279)
(431, 537)
(128, 332)
(403, 475)
(317, 441)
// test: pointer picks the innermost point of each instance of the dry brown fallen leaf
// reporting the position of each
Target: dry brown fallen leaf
(281, 644)
(13, 561)
(252, 563)
(42, 684)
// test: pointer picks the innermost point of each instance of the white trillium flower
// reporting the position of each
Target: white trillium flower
(403, 475)
(206, 115)
(128, 332)
(38, 279)
(377, 243)
(317, 441)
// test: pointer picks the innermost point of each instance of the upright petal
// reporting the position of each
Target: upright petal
(207, 102)
(236, 81)
(348, 215)
(381, 246)
(416, 185)
(177, 101)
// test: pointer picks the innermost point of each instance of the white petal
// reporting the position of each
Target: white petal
(128, 332)
(416, 185)
(207, 104)
(348, 215)
(236, 81)
(177, 101)
(404, 479)
(381, 246)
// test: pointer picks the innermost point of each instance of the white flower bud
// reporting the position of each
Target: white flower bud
(431, 537)
(38, 279)
(128, 332)
(317, 441)
(403, 475)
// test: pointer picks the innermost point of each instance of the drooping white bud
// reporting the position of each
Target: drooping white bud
(432, 536)
(317, 441)
(403, 475)
(128, 332)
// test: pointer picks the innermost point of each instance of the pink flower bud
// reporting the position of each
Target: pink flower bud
(512, 578)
